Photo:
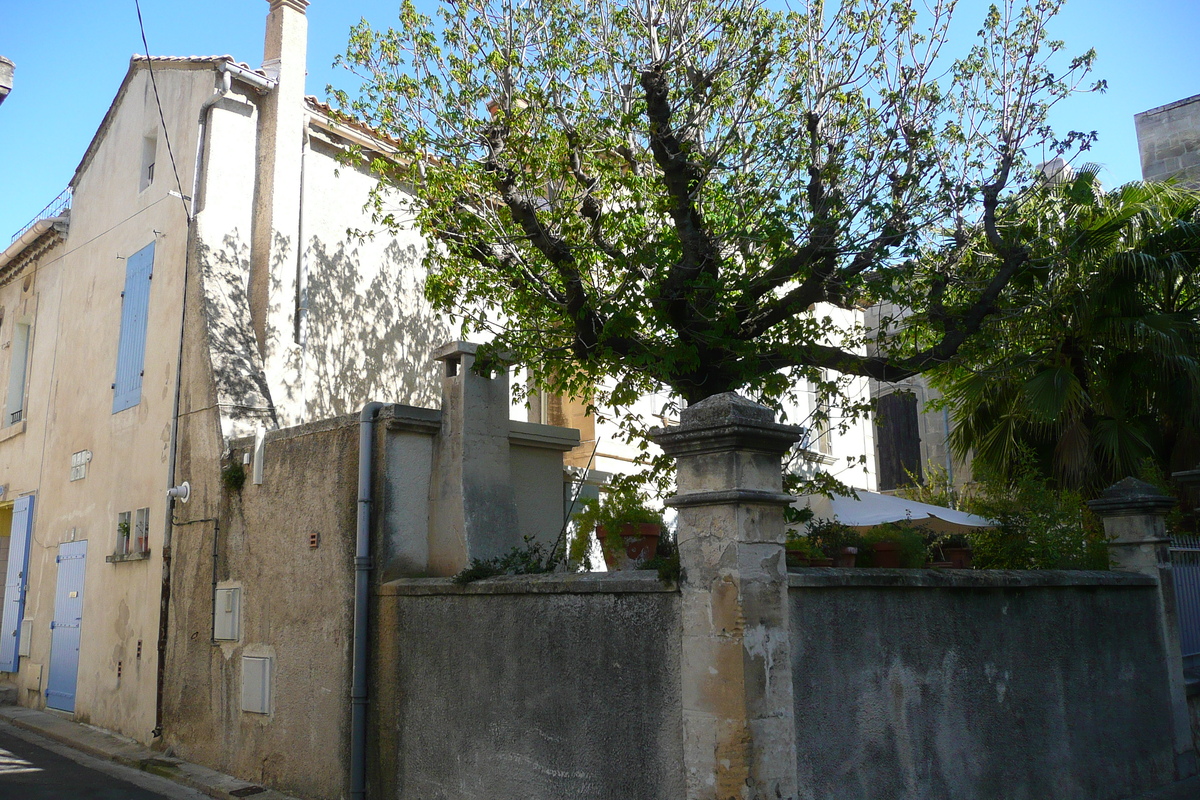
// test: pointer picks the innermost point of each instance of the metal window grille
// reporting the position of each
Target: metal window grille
(15, 416)
(1185, 568)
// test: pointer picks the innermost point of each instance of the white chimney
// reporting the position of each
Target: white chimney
(277, 213)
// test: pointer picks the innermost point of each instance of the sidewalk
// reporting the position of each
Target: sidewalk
(103, 745)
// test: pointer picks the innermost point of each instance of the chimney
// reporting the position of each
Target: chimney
(275, 238)
(473, 509)
(6, 77)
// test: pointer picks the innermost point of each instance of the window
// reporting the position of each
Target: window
(122, 548)
(131, 351)
(898, 438)
(133, 532)
(141, 530)
(149, 155)
(14, 410)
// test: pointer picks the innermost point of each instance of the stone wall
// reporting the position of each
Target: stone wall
(527, 687)
(1169, 141)
(908, 684)
(911, 683)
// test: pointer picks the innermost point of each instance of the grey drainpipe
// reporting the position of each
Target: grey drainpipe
(362, 570)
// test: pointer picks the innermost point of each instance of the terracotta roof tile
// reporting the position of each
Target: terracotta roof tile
(344, 119)
(137, 57)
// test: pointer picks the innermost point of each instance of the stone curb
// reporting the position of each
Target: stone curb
(100, 744)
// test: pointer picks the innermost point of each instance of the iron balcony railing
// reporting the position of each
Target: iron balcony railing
(56, 208)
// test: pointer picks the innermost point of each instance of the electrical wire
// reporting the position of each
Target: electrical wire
(161, 118)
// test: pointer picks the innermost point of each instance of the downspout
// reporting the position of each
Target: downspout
(362, 570)
(165, 595)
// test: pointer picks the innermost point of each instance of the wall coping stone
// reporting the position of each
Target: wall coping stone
(1131, 497)
(632, 582)
(836, 577)
(726, 422)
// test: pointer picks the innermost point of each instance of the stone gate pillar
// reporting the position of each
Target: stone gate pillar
(739, 734)
(1133, 513)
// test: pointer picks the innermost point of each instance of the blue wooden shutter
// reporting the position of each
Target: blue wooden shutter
(15, 583)
(131, 352)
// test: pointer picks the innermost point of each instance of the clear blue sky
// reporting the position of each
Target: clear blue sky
(72, 54)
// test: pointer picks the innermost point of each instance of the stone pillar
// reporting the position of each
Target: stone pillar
(739, 734)
(473, 510)
(1133, 513)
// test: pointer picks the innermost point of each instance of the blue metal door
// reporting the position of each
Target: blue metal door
(64, 630)
(15, 584)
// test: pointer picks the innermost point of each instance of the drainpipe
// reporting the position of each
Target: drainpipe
(362, 570)
(164, 602)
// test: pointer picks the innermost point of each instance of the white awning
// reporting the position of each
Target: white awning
(872, 509)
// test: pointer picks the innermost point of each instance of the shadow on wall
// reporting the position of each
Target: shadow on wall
(369, 339)
(237, 367)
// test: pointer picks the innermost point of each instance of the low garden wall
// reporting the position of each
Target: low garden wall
(527, 687)
(908, 684)
(978, 684)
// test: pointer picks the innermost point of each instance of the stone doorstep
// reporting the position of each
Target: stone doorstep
(101, 744)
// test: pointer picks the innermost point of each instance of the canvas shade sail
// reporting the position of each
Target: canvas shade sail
(872, 509)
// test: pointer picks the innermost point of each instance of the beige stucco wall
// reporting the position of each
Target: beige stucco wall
(75, 300)
(296, 603)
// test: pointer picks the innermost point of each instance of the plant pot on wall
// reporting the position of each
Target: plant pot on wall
(959, 557)
(638, 543)
(885, 554)
(846, 557)
(796, 558)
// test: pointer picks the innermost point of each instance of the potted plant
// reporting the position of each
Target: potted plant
(892, 545)
(623, 523)
(956, 550)
(801, 551)
(837, 542)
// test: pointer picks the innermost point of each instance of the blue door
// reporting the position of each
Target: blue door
(64, 630)
(15, 583)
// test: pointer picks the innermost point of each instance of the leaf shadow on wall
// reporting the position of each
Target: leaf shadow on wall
(370, 333)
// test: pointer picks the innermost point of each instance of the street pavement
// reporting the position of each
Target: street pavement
(35, 768)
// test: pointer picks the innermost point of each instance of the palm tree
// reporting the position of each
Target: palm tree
(1093, 366)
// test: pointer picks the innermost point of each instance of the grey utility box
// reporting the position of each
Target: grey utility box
(227, 614)
(256, 684)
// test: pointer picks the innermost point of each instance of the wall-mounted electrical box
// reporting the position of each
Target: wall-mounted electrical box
(26, 632)
(256, 684)
(227, 615)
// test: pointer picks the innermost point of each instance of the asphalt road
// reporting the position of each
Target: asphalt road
(35, 768)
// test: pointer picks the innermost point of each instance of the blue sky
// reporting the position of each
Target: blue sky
(72, 54)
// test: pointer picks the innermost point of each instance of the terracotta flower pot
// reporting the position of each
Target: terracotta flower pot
(886, 554)
(640, 543)
(796, 558)
(959, 557)
(846, 557)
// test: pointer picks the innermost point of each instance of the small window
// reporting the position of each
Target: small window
(149, 155)
(123, 533)
(14, 410)
(141, 530)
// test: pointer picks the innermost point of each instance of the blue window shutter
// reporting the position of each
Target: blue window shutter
(15, 583)
(131, 352)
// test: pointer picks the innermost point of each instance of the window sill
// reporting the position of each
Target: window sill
(12, 430)
(117, 558)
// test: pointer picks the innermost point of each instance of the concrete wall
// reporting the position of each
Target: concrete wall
(917, 684)
(296, 603)
(529, 687)
(1169, 142)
